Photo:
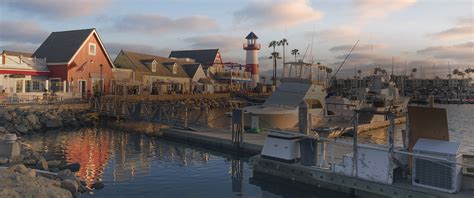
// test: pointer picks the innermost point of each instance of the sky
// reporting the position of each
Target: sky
(424, 34)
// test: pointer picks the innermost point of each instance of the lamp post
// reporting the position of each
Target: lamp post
(101, 79)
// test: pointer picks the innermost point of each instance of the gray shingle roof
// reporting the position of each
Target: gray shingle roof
(206, 56)
(137, 62)
(15, 53)
(251, 36)
(60, 47)
(191, 69)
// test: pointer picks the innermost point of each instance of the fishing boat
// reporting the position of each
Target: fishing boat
(280, 110)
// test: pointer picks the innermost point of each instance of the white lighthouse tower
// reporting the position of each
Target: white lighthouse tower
(251, 61)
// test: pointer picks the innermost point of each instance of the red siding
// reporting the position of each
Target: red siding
(58, 71)
(84, 64)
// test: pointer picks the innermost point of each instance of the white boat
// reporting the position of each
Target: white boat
(280, 110)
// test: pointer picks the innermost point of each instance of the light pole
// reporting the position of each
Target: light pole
(101, 78)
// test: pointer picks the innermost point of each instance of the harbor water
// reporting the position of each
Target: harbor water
(135, 165)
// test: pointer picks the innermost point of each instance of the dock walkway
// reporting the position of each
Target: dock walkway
(218, 138)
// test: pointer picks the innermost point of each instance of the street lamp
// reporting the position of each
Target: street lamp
(101, 78)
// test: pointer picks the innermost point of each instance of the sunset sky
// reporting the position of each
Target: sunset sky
(423, 32)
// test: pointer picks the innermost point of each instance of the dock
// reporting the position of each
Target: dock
(253, 143)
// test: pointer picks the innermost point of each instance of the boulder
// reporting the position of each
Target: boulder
(98, 185)
(19, 168)
(32, 118)
(21, 128)
(53, 163)
(42, 164)
(29, 162)
(3, 130)
(53, 123)
(7, 116)
(66, 174)
(74, 167)
(31, 173)
(69, 185)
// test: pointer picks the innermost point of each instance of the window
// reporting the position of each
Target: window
(36, 85)
(19, 86)
(175, 68)
(27, 85)
(56, 85)
(153, 66)
(92, 49)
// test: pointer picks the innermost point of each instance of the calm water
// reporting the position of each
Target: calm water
(133, 165)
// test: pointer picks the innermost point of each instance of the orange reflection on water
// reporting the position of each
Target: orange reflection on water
(90, 150)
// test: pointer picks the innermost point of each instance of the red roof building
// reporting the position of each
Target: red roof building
(77, 61)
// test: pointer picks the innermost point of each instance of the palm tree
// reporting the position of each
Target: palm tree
(413, 72)
(274, 57)
(295, 52)
(449, 76)
(468, 71)
(283, 42)
(328, 73)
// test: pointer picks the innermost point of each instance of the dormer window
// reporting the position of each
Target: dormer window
(153, 66)
(175, 68)
(92, 49)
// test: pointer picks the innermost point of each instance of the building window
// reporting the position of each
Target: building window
(92, 49)
(175, 68)
(36, 85)
(56, 85)
(153, 66)
(27, 85)
(19, 86)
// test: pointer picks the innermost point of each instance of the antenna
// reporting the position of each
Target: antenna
(312, 40)
(305, 51)
(392, 68)
(345, 59)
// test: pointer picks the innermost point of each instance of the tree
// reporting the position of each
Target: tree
(264, 79)
(413, 72)
(283, 42)
(468, 71)
(295, 52)
(359, 72)
(274, 56)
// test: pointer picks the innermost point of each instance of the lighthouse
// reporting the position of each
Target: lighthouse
(251, 61)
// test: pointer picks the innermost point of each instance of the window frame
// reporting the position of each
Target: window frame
(95, 49)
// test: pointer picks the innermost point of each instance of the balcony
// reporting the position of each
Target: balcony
(255, 46)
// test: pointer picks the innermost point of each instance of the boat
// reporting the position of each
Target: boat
(280, 110)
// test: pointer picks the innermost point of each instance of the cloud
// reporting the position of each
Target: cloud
(463, 52)
(114, 48)
(216, 41)
(463, 30)
(368, 10)
(229, 46)
(22, 32)
(281, 13)
(20, 47)
(339, 33)
(154, 23)
(57, 9)
(359, 47)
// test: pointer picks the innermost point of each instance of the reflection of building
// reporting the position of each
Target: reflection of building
(90, 150)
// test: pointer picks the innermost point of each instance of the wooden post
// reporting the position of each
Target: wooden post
(354, 146)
